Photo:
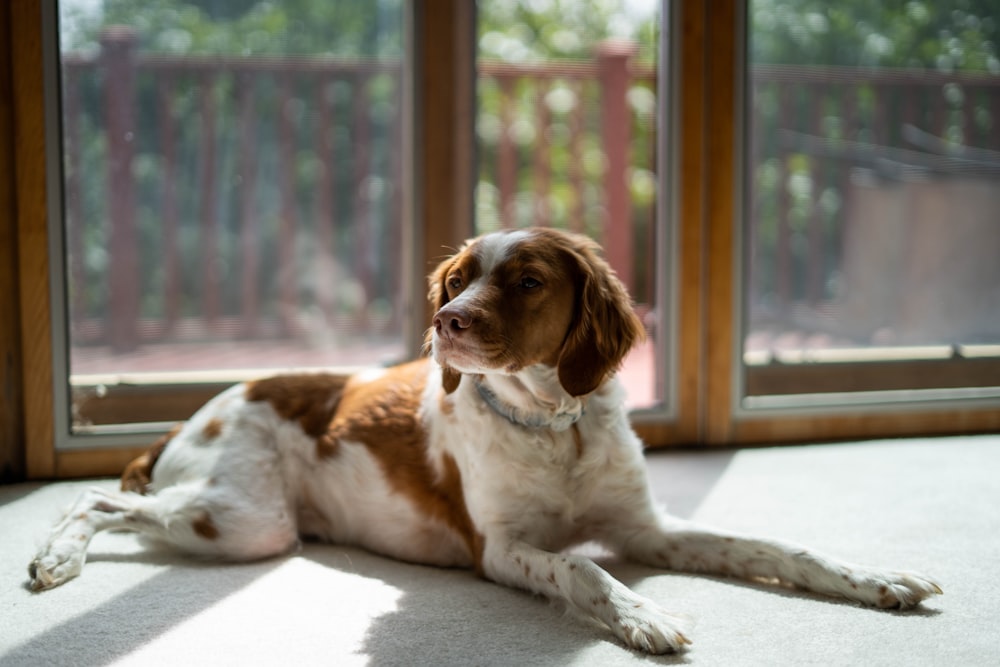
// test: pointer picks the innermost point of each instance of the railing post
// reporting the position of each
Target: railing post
(118, 63)
(613, 58)
(506, 155)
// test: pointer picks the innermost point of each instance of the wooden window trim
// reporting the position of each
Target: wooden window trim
(705, 65)
(32, 237)
(11, 403)
(443, 104)
(725, 423)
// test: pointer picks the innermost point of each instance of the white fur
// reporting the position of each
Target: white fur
(530, 494)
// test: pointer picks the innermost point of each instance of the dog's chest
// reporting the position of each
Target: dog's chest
(540, 484)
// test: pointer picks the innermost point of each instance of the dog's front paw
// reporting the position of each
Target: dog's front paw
(889, 589)
(54, 566)
(644, 626)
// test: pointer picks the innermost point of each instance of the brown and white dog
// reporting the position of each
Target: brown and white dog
(507, 446)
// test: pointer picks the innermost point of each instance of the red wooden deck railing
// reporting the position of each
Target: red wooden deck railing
(819, 123)
(168, 232)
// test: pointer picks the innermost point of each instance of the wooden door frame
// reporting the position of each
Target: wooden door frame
(442, 200)
(726, 421)
(706, 114)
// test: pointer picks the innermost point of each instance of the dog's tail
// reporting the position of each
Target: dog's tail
(139, 472)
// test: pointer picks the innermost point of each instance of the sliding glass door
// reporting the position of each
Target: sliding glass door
(234, 184)
(870, 226)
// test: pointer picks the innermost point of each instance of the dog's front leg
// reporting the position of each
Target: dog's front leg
(589, 590)
(689, 547)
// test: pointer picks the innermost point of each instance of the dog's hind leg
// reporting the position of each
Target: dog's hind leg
(189, 517)
(65, 551)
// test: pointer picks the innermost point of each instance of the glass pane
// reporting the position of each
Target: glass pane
(873, 183)
(233, 185)
(567, 138)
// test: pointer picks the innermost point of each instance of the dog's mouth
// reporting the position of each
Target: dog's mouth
(460, 356)
(470, 356)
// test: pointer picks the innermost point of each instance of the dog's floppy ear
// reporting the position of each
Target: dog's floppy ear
(437, 294)
(604, 328)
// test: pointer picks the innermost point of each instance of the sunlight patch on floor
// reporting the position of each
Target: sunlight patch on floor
(297, 589)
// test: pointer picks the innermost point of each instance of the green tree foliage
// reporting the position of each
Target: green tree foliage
(953, 36)
(947, 36)
(352, 161)
(543, 30)
(801, 193)
(345, 28)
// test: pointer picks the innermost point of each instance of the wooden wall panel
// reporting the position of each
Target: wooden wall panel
(690, 182)
(32, 241)
(11, 403)
(720, 179)
(445, 106)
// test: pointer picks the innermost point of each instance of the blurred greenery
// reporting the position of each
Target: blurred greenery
(545, 30)
(957, 35)
(805, 193)
(953, 36)
(343, 28)
(358, 165)
(553, 121)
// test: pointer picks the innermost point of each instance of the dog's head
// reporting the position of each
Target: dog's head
(513, 299)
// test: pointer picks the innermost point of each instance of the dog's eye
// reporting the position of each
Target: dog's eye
(455, 282)
(529, 283)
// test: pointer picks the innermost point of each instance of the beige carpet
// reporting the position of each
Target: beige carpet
(932, 505)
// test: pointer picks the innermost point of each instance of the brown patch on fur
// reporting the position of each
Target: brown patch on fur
(139, 473)
(204, 527)
(463, 265)
(310, 399)
(450, 379)
(466, 267)
(213, 429)
(383, 414)
(577, 440)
